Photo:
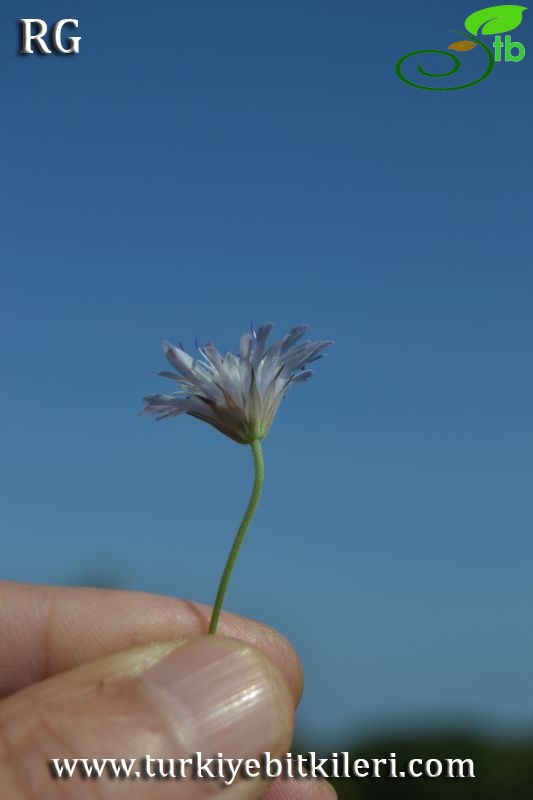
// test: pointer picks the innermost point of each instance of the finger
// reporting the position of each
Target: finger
(45, 630)
(209, 695)
(300, 789)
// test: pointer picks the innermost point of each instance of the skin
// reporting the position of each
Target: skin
(59, 672)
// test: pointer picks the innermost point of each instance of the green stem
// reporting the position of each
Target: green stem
(243, 527)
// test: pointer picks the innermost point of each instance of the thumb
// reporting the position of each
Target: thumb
(209, 695)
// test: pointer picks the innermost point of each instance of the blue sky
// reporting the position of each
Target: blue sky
(199, 165)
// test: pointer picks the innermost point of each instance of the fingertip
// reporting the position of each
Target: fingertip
(47, 630)
(262, 636)
(273, 644)
(300, 789)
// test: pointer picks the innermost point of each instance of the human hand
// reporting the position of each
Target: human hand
(94, 673)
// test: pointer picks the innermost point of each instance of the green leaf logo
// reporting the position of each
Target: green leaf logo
(496, 19)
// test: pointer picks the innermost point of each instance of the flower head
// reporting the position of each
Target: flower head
(237, 394)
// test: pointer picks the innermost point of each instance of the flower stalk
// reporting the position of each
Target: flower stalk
(238, 394)
(257, 452)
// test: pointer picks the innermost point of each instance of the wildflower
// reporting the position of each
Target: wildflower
(237, 394)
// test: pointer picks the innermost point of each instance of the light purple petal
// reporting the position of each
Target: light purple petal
(237, 394)
(293, 336)
(301, 377)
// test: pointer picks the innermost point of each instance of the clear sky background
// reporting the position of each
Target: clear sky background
(201, 164)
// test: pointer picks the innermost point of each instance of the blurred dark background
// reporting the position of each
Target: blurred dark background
(502, 768)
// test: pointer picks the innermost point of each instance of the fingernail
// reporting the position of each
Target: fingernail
(221, 695)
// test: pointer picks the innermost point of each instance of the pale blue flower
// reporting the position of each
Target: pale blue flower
(237, 394)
